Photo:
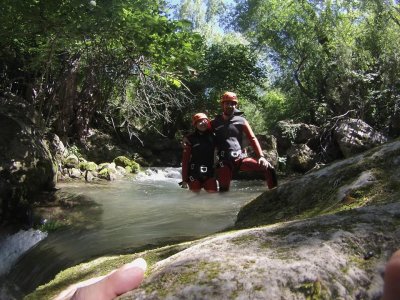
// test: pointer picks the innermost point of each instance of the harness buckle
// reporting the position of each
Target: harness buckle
(203, 169)
(191, 178)
(236, 154)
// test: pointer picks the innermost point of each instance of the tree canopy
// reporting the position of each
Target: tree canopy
(331, 57)
(121, 59)
(128, 65)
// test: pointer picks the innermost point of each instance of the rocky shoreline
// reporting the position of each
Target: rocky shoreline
(325, 235)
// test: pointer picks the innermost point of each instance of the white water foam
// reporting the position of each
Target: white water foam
(13, 246)
(160, 174)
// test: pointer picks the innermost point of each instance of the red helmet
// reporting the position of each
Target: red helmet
(197, 117)
(229, 96)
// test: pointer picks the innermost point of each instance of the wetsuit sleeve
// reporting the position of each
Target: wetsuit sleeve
(187, 152)
(252, 139)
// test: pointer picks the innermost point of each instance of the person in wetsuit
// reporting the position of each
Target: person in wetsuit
(198, 157)
(230, 128)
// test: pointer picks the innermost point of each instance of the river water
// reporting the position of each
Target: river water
(131, 215)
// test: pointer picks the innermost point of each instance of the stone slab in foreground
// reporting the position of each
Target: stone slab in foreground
(338, 256)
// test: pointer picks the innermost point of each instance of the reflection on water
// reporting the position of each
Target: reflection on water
(146, 212)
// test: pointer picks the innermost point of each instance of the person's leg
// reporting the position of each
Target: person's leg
(195, 186)
(250, 164)
(391, 290)
(224, 174)
(210, 185)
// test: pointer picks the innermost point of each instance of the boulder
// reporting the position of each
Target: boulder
(301, 158)
(288, 133)
(27, 167)
(330, 257)
(355, 136)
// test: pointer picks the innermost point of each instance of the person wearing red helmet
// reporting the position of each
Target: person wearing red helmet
(230, 128)
(198, 157)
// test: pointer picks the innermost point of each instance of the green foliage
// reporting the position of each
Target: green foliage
(228, 65)
(75, 151)
(125, 65)
(72, 59)
(231, 67)
(51, 226)
(267, 111)
(330, 57)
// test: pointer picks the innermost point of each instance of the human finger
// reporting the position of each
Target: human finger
(391, 289)
(107, 287)
(263, 162)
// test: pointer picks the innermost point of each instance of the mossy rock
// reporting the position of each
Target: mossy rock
(102, 166)
(135, 167)
(366, 179)
(72, 161)
(88, 166)
(104, 173)
(122, 161)
(102, 266)
(130, 165)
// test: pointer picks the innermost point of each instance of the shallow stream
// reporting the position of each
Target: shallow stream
(131, 215)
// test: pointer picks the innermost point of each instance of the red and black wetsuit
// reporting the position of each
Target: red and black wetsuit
(198, 161)
(229, 136)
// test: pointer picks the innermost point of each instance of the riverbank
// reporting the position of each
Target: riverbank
(336, 216)
(128, 216)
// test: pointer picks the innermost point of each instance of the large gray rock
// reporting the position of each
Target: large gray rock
(355, 136)
(301, 158)
(27, 167)
(330, 257)
(288, 133)
(333, 187)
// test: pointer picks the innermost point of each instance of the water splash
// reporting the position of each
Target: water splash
(14, 246)
(157, 174)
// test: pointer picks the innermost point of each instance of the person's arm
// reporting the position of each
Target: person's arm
(252, 139)
(255, 145)
(187, 152)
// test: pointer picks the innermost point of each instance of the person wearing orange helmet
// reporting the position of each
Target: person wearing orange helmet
(230, 129)
(198, 157)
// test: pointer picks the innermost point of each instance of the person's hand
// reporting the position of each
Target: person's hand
(184, 185)
(391, 289)
(117, 282)
(185, 142)
(263, 162)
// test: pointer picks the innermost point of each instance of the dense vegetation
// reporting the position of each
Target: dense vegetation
(133, 66)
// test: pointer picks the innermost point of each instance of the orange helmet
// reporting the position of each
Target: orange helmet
(197, 117)
(229, 96)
